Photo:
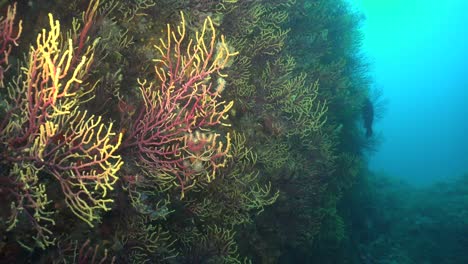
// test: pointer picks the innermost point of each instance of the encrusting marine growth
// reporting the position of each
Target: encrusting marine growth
(138, 133)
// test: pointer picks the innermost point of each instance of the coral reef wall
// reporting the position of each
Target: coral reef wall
(155, 131)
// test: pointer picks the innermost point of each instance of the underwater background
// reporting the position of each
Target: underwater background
(418, 51)
(233, 131)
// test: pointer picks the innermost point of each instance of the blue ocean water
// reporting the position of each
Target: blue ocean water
(415, 208)
(418, 51)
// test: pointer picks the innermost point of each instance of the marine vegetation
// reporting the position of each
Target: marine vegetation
(146, 131)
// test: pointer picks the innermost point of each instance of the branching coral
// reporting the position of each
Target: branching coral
(143, 240)
(7, 38)
(69, 251)
(297, 100)
(212, 245)
(45, 134)
(171, 132)
(262, 34)
(233, 198)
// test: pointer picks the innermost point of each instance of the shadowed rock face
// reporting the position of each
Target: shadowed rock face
(368, 116)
